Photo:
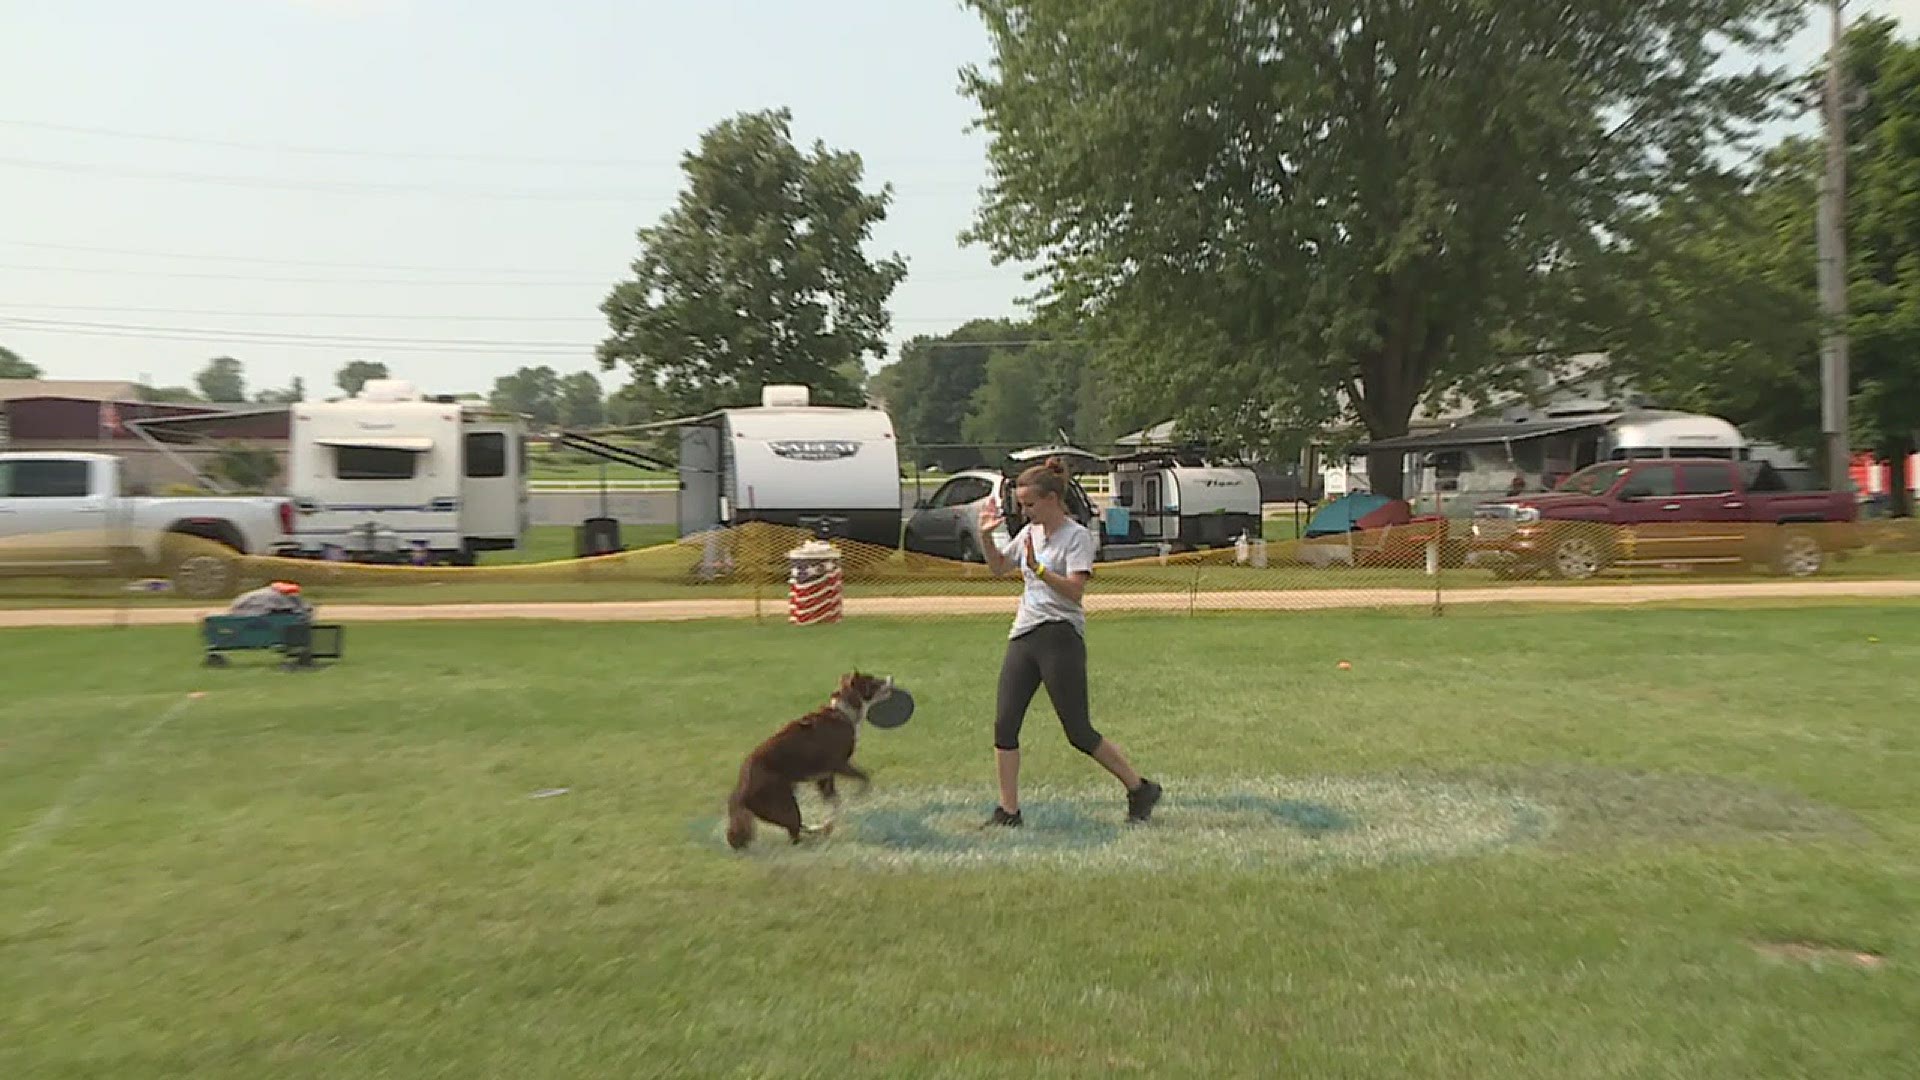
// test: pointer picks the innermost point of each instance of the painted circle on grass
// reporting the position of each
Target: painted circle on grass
(1324, 821)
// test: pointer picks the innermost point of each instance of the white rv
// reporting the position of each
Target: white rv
(1165, 497)
(391, 476)
(834, 471)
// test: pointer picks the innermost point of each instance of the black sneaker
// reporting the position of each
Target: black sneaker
(1141, 801)
(1003, 819)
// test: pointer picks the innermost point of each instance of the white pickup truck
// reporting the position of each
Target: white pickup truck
(67, 514)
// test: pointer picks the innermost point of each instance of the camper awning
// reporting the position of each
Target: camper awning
(1488, 434)
(378, 442)
(269, 423)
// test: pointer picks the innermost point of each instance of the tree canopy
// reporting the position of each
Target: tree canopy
(1284, 213)
(758, 275)
(222, 380)
(15, 366)
(1714, 303)
(357, 373)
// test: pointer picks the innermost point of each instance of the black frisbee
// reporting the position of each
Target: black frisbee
(893, 711)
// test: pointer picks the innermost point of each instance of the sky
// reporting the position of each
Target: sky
(450, 186)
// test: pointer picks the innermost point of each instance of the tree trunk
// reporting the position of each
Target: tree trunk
(1386, 472)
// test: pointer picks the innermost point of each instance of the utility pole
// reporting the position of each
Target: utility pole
(1834, 378)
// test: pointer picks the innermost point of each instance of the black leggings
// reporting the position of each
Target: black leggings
(1054, 655)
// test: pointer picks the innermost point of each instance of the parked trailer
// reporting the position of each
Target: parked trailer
(389, 475)
(1166, 497)
(833, 471)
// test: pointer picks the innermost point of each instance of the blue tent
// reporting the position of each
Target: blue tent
(1343, 514)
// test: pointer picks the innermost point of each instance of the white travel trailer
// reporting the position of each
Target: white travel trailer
(834, 471)
(391, 476)
(1454, 470)
(1167, 497)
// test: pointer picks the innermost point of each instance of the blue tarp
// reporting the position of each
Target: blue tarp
(1343, 514)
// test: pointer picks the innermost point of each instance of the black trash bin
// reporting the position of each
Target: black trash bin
(597, 536)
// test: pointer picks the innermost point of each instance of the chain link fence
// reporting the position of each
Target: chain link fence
(1429, 565)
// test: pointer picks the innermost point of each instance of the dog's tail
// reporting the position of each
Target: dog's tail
(739, 818)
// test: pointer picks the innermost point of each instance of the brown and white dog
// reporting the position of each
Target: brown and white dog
(813, 749)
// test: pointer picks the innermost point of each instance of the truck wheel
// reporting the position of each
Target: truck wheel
(200, 569)
(1577, 557)
(1799, 555)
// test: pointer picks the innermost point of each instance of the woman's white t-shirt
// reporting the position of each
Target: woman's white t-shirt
(1069, 549)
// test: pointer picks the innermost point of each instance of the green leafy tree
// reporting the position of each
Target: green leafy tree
(1283, 213)
(1006, 410)
(930, 390)
(758, 275)
(14, 366)
(357, 373)
(582, 401)
(533, 392)
(1715, 305)
(222, 380)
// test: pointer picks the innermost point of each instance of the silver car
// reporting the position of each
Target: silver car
(947, 523)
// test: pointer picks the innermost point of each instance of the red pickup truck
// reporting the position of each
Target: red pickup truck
(1664, 511)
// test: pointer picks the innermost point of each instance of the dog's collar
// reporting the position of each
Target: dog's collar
(852, 714)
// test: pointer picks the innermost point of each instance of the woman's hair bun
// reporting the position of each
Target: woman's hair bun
(1054, 464)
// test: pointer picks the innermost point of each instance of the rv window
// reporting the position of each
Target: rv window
(1714, 452)
(31, 479)
(1125, 497)
(486, 455)
(374, 463)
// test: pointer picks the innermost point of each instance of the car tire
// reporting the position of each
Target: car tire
(1577, 556)
(200, 569)
(970, 549)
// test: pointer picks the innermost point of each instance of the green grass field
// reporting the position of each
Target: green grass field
(1498, 846)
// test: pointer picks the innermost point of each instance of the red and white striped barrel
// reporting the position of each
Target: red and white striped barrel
(814, 584)
(816, 601)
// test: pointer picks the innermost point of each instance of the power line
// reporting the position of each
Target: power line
(387, 155)
(338, 151)
(364, 187)
(334, 187)
(85, 249)
(607, 281)
(123, 271)
(408, 316)
(270, 336)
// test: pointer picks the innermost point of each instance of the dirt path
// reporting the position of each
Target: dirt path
(1295, 600)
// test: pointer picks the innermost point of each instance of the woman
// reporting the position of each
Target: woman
(1047, 646)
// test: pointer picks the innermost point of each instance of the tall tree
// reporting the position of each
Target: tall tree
(929, 390)
(15, 366)
(1006, 411)
(222, 380)
(1287, 212)
(1714, 302)
(533, 392)
(357, 373)
(582, 402)
(758, 275)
